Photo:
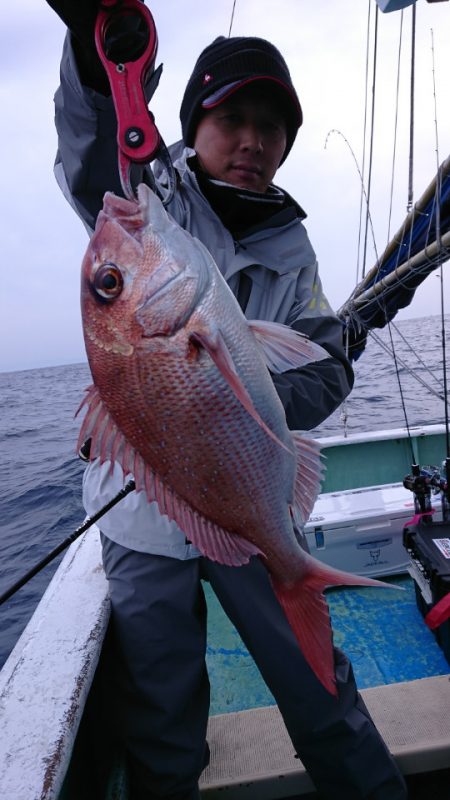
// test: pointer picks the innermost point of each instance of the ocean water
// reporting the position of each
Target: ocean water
(40, 473)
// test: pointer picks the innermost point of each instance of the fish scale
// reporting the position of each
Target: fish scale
(214, 422)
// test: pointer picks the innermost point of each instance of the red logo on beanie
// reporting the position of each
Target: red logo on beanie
(206, 78)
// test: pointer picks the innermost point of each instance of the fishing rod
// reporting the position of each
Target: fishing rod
(421, 482)
(129, 487)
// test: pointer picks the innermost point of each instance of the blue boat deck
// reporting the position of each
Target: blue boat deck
(382, 632)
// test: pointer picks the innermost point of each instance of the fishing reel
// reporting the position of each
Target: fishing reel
(425, 482)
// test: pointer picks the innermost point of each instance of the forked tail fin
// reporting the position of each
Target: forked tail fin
(307, 612)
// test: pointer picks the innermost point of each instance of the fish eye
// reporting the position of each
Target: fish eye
(108, 281)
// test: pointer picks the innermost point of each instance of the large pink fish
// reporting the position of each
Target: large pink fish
(183, 399)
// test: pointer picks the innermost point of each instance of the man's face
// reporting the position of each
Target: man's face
(242, 141)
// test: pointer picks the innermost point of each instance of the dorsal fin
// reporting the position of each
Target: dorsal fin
(310, 470)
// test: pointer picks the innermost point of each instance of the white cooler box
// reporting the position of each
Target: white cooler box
(360, 530)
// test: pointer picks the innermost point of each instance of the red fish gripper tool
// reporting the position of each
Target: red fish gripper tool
(138, 138)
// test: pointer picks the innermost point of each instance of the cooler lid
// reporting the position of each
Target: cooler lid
(361, 506)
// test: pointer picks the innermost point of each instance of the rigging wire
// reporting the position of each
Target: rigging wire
(405, 366)
(394, 149)
(232, 18)
(372, 128)
(436, 137)
(422, 363)
(394, 352)
(402, 397)
(363, 188)
(363, 165)
(438, 240)
(411, 111)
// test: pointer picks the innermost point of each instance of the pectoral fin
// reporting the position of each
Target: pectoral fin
(215, 345)
(283, 347)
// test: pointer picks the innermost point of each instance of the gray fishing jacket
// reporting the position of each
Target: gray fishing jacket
(281, 284)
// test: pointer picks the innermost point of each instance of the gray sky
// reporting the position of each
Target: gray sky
(324, 43)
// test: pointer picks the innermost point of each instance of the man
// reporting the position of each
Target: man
(239, 116)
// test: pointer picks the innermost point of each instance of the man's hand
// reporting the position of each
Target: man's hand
(79, 17)
(126, 38)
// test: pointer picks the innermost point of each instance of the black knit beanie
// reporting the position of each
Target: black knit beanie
(233, 63)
